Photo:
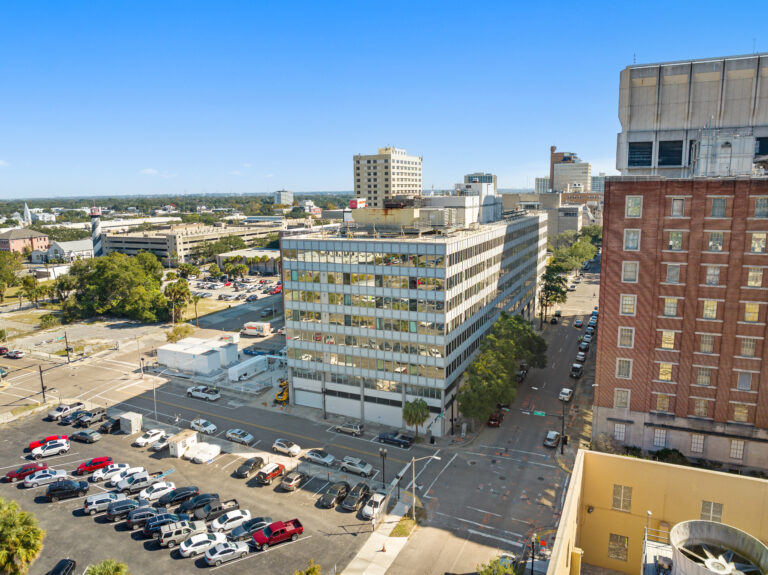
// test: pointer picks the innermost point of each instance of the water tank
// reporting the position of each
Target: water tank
(711, 548)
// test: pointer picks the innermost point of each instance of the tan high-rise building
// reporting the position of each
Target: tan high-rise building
(391, 172)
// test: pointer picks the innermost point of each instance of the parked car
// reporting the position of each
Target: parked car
(587, 339)
(373, 506)
(15, 354)
(277, 532)
(3, 350)
(140, 481)
(66, 489)
(64, 409)
(91, 417)
(161, 443)
(230, 520)
(107, 472)
(21, 473)
(558, 313)
(44, 477)
(584, 346)
(176, 533)
(71, 417)
(286, 447)
(395, 438)
(153, 526)
(156, 491)
(100, 502)
(581, 357)
(93, 464)
(578, 323)
(554, 320)
(355, 429)
(334, 494)
(590, 331)
(552, 439)
(270, 472)
(51, 448)
(319, 456)
(565, 394)
(204, 392)
(149, 437)
(215, 509)
(356, 497)
(119, 476)
(356, 465)
(138, 517)
(249, 467)
(495, 419)
(203, 426)
(110, 424)
(227, 551)
(197, 502)
(239, 436)
(64, 567)
(178, 495)
(120, 509)
(245, 531)
(200, 543)
(86, 436)
(45, 440)
(293, 481)
(576, 370)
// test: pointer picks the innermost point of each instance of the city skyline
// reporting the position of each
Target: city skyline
(182, 98)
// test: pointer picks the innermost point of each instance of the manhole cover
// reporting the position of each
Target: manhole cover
(472, 462)
(541, 479)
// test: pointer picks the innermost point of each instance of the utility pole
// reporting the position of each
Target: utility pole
(66, 343)
(42, 384)
(562, 431)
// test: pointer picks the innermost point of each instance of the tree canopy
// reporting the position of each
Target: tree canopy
(415, 413)
(21, 539)
(60, 233)
(593, 233)
(553, 288)
(108, 567)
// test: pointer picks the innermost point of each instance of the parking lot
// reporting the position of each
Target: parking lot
(331, 537)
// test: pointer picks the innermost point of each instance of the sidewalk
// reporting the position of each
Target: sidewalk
(380, 551)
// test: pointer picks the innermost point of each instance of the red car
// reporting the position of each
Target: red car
(92, 465)
(23, 471)
(227, 284)
(3, 350)
(46, 440)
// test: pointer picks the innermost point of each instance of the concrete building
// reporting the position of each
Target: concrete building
(20, 240)
(194, 356)
(573, 177)
(556, 158)
(542, 185)
(560, 217)
(283, 198)
(64, 252)
(705, 117)
(388, 174)
(182, 242)
(619, 512)
(375, 318)
(598, 184)
(680, 356)
(482, 178)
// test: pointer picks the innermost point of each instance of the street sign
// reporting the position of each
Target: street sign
(539, 413)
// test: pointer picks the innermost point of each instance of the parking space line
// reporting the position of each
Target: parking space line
(260, 553)
(428, 489)
(230, 463)
(322, 487)
(506, 449)
(507, 541)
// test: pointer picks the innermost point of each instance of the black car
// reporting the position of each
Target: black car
(152, 526)
(356, 497)
(120, 509)
(178, 495)
(65, 489)
(245, 531)
(72, 417)
(553, 320)
(90, 417)
(139, 516)
(335, 494)
(197, 502)
(64, 567)
(249, 467)
(584, 346)
(110, 424)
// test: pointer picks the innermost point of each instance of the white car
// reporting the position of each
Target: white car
(226, 552)
(106, 473)
(156, 491)
(287, 447)
(118, 477)
(374, 505)
(229, 521)
(44, 476)
(565, 394)
(239, 436)
(206, 452)
(149, 438)
(54, 447)
(356, 465)
(200, 543)
(161, 443)
(203, 392)
(587, 338)
(319, 456)
(203, 426)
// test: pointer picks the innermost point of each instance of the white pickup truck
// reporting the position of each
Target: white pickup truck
(203, 392)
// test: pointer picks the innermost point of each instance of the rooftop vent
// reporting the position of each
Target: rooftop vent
(708, 547)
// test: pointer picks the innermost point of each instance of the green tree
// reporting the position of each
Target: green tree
(214, 271)
(553, 289)
(593, 233)
(151, 266)
(241, 270)
(21, 540)
(170, 276)
(177, 294)
(566, 239)
(10, 265)
(186, 270)
(195, 300)
(30, 287)
(312, 569)
(108, 567)
(496, 567)
(63, 286)
(178, 332)
(415, 413)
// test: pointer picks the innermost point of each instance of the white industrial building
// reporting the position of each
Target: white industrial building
(198, 356)
(64, 252)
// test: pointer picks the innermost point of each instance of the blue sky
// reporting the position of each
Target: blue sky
(173, 97)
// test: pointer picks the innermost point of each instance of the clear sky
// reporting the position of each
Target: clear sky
(148, 97)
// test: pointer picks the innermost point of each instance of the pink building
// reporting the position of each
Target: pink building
(18, 240)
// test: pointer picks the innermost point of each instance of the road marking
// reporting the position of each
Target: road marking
(230, 463)
(481, 525)
(423, 469)
(322, 487)
(428, 489)
(507, 541)
(516, 450)
(484, 511)
(259, 553)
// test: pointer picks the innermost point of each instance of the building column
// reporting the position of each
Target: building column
(362, 401)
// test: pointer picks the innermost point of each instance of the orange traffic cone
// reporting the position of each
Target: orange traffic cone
(384, 548)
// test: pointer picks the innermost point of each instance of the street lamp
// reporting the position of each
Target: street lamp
(383, 453)
(413, 483)
(533, 550)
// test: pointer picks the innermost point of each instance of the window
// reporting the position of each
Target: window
(624, 368)
(751, 312)
(639, 154)
(631, 240)
(618, 547)
(715, 241)
(761, 146)
(626, 337)
(718, 207)
(709, 310)
(633, 207)
(707, 343)
(628, 304)
(704, 376)
(678, 207)
(671, 153)
(737, 449)
(740, 413)
(758, 243)
(761, 205)
(711, 511)
(629, 272)
(662, 402)
(700, 407)
(755, 277)
(748, 346)
(713, 276)
(744, 382)
(697, 443)
(622, 498)
(675, 241)
(670, 306)
(659, 437)
(667, 340)
(621, 398)
(673, 273)
(619, 431)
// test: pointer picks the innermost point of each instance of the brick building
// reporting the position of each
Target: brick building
(683, 315)
(21, 239)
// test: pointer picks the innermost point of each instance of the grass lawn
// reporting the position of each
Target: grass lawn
(406, 525)
(204, 307)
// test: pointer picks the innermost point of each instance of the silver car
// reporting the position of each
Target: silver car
(97, 503)
(356, 465)
(226, 552)
(44, 476)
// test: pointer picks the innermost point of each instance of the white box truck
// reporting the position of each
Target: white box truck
(257, 329)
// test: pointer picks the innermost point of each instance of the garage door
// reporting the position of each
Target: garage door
(308, 398)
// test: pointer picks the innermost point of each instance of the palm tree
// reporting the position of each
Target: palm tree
(415, 413)
(21, 540)
(195, 299)
(108, 567)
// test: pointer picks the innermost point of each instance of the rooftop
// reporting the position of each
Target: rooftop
(21, 234)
